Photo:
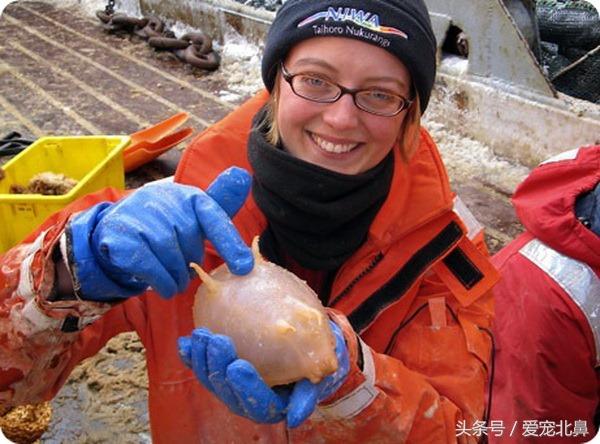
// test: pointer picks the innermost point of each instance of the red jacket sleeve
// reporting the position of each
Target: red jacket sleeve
(40, 341)
(546, 357)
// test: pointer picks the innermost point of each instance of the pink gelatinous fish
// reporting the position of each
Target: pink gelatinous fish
(275, 320)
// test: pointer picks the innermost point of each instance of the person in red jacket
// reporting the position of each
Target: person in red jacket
(547, 326)
(347, 192)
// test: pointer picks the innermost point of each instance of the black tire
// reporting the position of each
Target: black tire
(569, 26)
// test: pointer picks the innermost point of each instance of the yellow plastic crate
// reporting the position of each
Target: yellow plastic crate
(95, 162)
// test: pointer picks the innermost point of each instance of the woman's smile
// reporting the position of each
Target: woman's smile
(331, 145)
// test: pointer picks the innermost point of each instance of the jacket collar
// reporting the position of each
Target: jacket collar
(420, 192)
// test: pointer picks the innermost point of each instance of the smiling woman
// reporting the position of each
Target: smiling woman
(342, 135)
(347, 192)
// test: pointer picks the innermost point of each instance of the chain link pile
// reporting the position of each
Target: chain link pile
(193, 48)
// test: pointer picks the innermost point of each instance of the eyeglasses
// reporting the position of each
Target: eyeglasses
(372, 100)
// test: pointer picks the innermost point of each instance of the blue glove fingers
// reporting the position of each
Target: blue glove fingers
(306, 395)
(184, 347)
(148, 268)
(219, 229)
(302, 403)
(179, 240)
(257, 400)
(192, 251)
(182, 234)
(198, 356)
(331, 383)
(230, 189)
(220, 352)
(172, 259)
(200, 339)
(157, 277)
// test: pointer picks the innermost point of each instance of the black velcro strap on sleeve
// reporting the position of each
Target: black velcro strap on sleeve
(464, 270)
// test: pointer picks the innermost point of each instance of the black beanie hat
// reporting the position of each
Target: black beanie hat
(401, 27)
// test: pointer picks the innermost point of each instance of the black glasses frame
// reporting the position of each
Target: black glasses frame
(288, 77)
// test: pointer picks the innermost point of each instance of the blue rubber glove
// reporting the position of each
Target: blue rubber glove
(148, 239)
(236, 382)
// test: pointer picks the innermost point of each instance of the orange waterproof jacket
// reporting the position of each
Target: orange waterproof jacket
(413, 301)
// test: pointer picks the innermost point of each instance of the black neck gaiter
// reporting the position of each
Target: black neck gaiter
(317, 216)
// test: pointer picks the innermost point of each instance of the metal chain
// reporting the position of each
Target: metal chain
(110, 7)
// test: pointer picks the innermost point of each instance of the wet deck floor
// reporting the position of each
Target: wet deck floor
(61, 74)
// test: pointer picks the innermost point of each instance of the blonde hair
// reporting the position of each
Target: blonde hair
(272, 128)
(409, 136)
(408, 139)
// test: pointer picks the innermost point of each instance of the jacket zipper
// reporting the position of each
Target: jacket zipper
(376, 260)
